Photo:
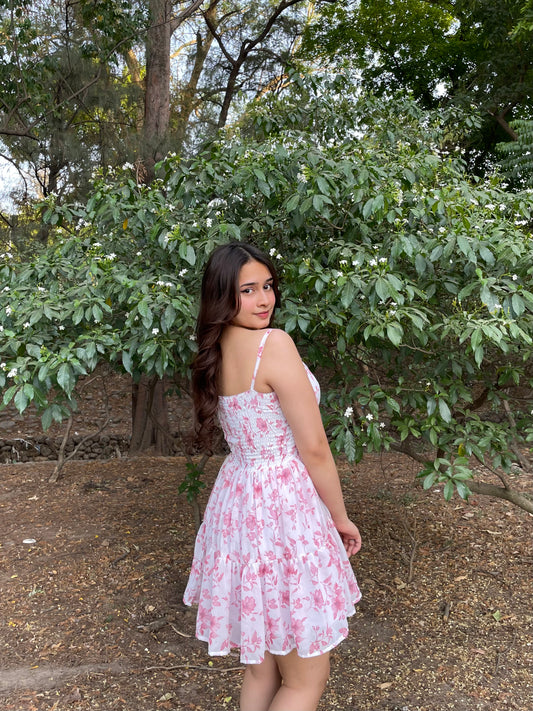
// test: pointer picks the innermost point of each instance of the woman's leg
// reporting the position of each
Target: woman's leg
(260, 684)
(304, 681)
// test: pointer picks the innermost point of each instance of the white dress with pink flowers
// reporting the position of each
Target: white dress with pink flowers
(269, 571)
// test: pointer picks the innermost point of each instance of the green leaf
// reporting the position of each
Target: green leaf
(349, 445)
(347, 294)
(395, 333)
(46, 418)
(448, 490)
(8, 395)
(21, 401)
(518, 304)
(420, 264)
(77, 316)
(65, 378)
(462, 489)
(382, 288)
(444, 411)
(292, 202)
(127, 361)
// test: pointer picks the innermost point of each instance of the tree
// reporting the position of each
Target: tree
(403, 279)
(64, 108)
(94, 53)
(90, 84)
(471, 53)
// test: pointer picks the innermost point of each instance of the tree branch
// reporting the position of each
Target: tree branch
(177, 21)
(498, 492)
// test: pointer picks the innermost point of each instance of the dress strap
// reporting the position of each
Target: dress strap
(259, 354)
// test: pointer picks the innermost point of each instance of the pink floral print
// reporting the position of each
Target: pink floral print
(269, 570)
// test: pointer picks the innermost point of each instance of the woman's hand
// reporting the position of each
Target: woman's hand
(350, 535)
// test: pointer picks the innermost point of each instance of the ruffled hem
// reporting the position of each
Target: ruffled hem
(276, 606)
(249, 659)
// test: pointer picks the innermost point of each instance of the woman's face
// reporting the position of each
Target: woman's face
(256, 296)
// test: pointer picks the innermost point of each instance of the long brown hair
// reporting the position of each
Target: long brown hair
(219, 304)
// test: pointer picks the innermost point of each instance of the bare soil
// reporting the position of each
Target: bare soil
(91, 615)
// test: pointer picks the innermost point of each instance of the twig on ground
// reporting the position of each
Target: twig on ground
(203, 667)
(176, 630)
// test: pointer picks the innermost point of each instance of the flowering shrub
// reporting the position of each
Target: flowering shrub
(406, 282)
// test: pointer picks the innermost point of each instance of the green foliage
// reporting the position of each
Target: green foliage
(477, 55)
(192, 484)
(516, 157)
(404, 281)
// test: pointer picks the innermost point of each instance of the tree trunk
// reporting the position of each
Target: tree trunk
(188, 94)
(150, 428)
(157, 94)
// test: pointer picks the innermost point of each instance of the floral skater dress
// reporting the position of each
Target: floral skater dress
(269, 570)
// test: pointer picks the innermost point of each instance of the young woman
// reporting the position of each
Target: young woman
(270, 573)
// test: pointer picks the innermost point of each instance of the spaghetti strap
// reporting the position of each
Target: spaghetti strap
(259, 354)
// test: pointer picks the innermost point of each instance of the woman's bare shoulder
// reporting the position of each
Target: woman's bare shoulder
(280, 345)
(280, 338)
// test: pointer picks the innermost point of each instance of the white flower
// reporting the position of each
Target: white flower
(183, 272)
(515, 277)
(355, 263)
(155, 331)
(272, 252)
(343, 262)
(8, 310)
(61, 328)
(348, 412)
(209, 222)
(111, 256)
(490, 206)
(6, 288)
(383, 260)
(370, 417)
(278, 256)
(381, 425)
(27, 324)
(373, 263)
(3, 366)
(41, 288)
(301, 178)
(1, 329)
(160, 283)
(192, 337)
(12, 373)
(97, 244)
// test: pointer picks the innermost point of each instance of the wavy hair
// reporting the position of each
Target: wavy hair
(219, 304)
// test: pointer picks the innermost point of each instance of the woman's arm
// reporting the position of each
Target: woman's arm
(283, 370)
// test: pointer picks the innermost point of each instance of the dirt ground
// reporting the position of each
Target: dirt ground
(92, 571)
